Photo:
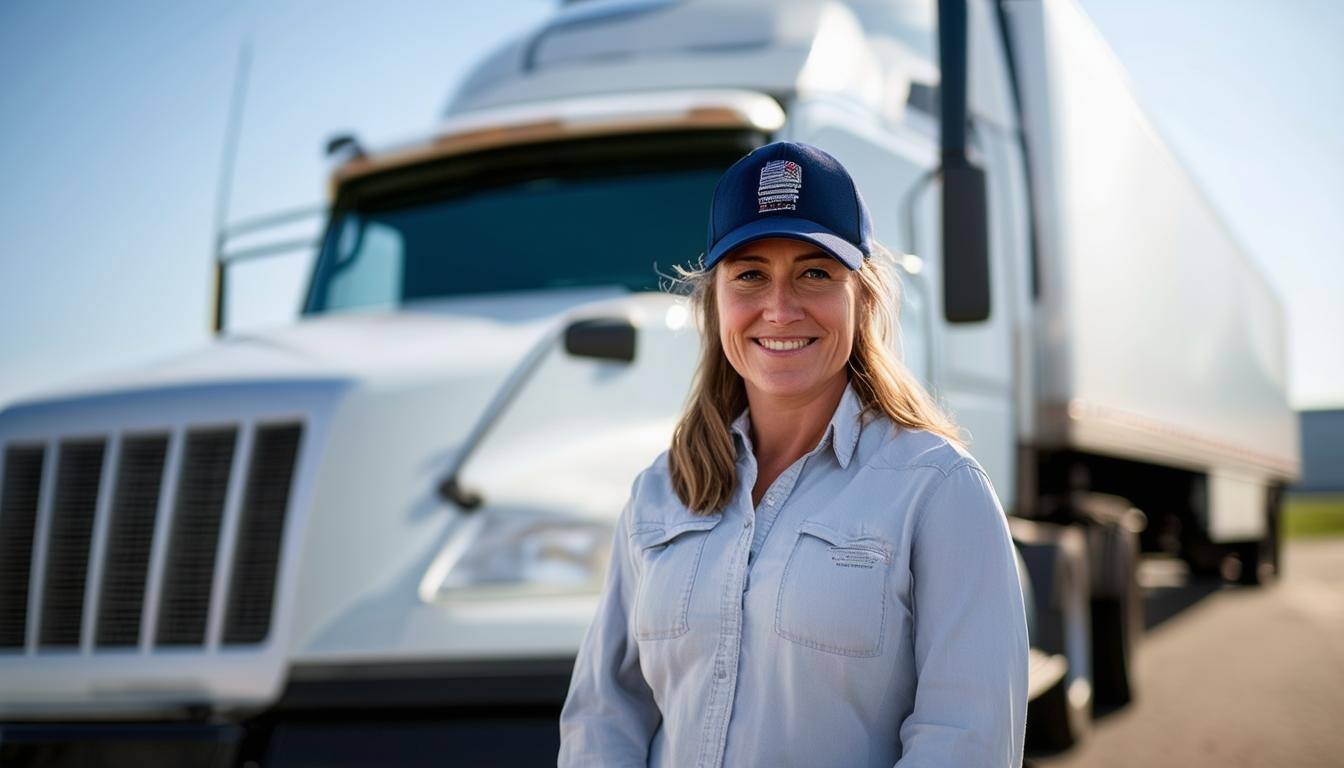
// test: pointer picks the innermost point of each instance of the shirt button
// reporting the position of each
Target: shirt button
(722, 673)
(746, 523)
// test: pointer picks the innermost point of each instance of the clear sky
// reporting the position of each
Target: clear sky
(113, 117)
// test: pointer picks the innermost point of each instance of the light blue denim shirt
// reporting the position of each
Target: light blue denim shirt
(867, 613)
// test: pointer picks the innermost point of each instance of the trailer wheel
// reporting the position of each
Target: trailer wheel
(1056, 560)
(1256, 560)
(1248, 556)
(1260, 559)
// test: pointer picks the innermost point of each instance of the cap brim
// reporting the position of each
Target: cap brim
(791, 228)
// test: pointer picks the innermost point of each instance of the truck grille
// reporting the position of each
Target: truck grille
(138, 540)
(18, 516)
(188, 577)
(68, 536)
(130, 538)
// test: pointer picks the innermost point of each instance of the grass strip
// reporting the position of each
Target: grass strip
(1315, 514)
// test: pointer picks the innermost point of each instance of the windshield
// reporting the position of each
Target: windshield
(540, 232)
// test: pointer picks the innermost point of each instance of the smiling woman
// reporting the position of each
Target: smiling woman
(787, 317)
(882, 622)
(857, 323)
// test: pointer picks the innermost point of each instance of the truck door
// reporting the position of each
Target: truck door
(981, 372)
(985, 370)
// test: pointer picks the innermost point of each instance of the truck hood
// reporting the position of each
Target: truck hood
(355, 418)
(400, 348)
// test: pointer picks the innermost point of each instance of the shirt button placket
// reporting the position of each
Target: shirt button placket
(725, 666)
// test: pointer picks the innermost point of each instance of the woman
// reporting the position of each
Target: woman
(816, 573)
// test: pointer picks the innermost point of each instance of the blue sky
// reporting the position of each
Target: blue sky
(112, 125)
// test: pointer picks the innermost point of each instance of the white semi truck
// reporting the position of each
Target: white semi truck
(376, 536)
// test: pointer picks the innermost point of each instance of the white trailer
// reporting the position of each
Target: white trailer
(391, 518)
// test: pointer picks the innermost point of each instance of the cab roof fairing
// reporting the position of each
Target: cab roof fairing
(538, 87)
(864, 51)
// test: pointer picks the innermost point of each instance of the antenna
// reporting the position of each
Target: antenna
(227, 160)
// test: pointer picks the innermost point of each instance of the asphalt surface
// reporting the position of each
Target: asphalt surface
(1233, 676)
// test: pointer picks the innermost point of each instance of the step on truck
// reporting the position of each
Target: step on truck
(375, 536)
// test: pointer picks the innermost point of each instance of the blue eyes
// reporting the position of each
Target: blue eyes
(816, 273)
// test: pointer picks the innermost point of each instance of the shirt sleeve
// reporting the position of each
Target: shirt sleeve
(610, 715)
(970, 631)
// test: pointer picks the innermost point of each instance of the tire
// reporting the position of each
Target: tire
(1251, 555)
(1276, 531)
(1056, 558)
(1113, 654)
(1117, 610)
(1260, 560)
(1202, 556)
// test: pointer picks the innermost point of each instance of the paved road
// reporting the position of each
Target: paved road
(1234, 676)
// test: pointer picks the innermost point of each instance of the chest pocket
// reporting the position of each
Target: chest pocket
(833, 594)
(670, 562)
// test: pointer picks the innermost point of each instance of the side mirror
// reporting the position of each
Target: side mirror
(965, 243)
(965, 214)
(603, 338)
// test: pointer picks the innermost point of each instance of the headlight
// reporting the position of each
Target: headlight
(494, 554)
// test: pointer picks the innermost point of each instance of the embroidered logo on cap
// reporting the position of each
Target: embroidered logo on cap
(781, 181)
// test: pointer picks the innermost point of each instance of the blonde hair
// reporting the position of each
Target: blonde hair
(703, 459)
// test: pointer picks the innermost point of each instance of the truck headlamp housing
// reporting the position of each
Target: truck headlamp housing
(495, 554)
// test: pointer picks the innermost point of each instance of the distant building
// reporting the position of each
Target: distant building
(1322, 451)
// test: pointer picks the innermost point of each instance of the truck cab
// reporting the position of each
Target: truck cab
(397, 510)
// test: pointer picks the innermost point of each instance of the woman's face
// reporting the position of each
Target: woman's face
(786, 316)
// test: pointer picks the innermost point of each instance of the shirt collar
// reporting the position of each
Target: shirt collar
(842, 431)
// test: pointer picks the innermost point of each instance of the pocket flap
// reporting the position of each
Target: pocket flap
(826, 533)
(647, 536)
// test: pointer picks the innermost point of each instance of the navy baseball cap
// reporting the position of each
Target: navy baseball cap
(793, 190)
